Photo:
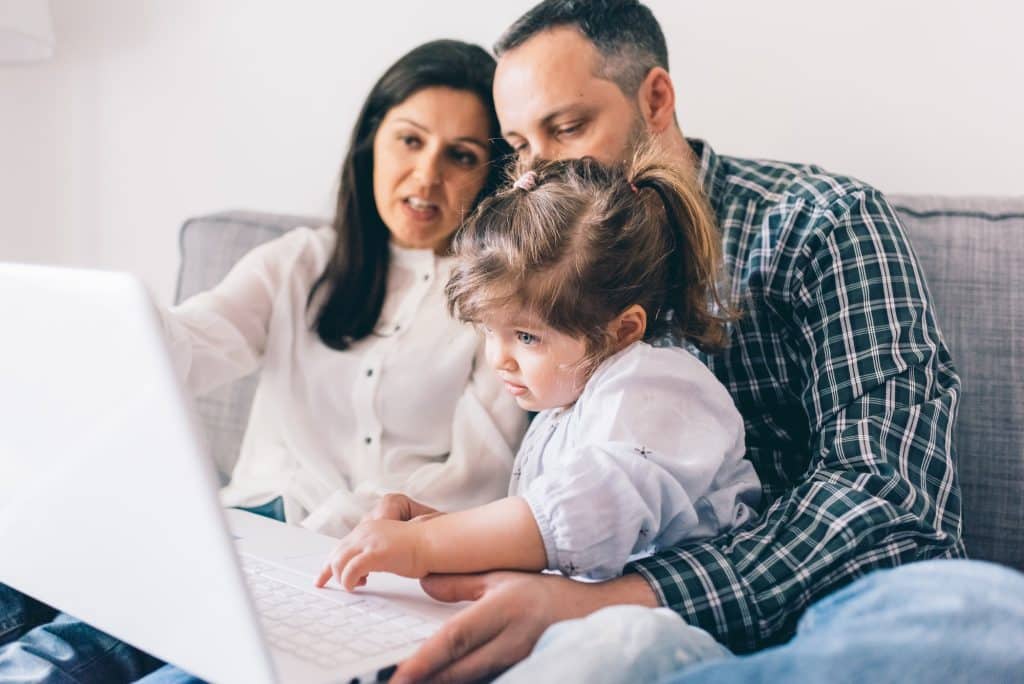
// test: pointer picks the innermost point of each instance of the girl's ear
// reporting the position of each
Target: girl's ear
(628, 327)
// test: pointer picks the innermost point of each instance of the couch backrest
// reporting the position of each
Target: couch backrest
(972, 253)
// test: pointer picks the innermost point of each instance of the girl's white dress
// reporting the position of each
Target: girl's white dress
(650, 455)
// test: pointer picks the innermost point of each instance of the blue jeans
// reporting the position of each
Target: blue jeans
(40, 645)
(936, 621)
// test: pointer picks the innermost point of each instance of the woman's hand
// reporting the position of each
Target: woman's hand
(399, 507)
(377, 545)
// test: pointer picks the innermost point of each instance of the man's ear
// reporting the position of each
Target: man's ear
(657, 99)
(628, 327)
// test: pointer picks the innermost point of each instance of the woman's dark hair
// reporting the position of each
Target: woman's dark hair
(355, 278)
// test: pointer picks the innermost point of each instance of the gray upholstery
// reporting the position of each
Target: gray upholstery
(972, 252)
(210, 246)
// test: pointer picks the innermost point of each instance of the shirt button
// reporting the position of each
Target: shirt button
(368, 440)
(369, 372)
(426, 276)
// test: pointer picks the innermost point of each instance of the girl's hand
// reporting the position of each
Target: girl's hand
(377, 545)
(399, 507)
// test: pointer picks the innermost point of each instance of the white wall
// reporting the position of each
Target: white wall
(156, 110)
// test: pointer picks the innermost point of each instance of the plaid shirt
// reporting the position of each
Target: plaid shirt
(848, 394)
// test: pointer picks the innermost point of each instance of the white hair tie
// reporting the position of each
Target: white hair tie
(527, 182)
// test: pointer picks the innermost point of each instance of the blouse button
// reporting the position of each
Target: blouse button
(426, 277)
(368, 440)
(369, 372)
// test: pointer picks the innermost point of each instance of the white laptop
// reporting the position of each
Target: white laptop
(109, 508)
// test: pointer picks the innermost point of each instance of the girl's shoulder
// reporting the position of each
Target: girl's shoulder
(643, 361)
(645, 373)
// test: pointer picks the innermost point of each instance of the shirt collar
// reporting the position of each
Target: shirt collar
(411, 258)
(709, 171)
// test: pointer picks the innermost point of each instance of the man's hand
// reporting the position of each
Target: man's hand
(376, 545)
(512, 610)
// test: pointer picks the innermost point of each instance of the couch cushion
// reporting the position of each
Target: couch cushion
(972, 253)
(210, 246)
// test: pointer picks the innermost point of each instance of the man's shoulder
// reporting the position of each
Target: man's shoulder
(786, 186)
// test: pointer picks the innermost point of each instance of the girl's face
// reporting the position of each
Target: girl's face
(541, 367)
(430, 157)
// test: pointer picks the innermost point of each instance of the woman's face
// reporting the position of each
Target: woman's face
(430, 160)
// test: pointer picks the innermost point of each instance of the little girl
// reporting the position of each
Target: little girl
(571, 272)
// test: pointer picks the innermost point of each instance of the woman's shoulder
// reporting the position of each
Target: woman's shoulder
(301, 253)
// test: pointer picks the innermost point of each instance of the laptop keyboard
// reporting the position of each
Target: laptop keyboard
(330, 631)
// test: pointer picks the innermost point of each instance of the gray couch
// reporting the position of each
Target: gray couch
(972, 251)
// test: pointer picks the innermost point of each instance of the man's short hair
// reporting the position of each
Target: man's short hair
(625, 33)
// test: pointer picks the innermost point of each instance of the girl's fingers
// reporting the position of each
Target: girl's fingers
(355, 571)
(325, 576)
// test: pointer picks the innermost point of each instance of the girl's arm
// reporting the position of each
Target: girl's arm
(502, 535)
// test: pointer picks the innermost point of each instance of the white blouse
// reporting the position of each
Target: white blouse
(412, 408)
(650, 455)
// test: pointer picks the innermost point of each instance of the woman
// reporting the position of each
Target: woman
(367, 385)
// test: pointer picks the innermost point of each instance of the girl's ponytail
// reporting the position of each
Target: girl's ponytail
(693, 266)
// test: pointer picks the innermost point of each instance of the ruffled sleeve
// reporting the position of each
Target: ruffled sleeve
(220, 335)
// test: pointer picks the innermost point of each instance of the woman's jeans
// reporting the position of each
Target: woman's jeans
(940, 621)
(39, 644)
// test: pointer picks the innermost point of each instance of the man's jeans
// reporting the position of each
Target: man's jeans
(936, 621)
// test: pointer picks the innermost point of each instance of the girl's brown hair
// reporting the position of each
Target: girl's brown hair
(576, 242)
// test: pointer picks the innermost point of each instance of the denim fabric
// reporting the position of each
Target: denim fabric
(936, 621)
(943, 621)
(38, 645)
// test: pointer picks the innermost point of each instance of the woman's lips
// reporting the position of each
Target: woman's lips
(421, 213)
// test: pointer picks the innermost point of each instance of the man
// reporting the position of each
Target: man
(847, 389)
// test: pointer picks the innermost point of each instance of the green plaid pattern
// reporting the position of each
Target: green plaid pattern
(848, 394)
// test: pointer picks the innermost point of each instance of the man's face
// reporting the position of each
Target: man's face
(553, 105)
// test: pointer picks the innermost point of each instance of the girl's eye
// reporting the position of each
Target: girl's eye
(527, 338)
(410, 141)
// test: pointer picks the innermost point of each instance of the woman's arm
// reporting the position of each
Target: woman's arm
(502, 535)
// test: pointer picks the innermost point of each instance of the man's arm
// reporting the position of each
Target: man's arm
(881, 395)
(510, 612)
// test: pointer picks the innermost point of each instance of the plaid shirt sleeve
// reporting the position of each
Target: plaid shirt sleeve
(880, 394)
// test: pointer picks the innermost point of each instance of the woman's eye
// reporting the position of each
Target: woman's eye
(462, 158)
(527, 338)
(410, 141)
